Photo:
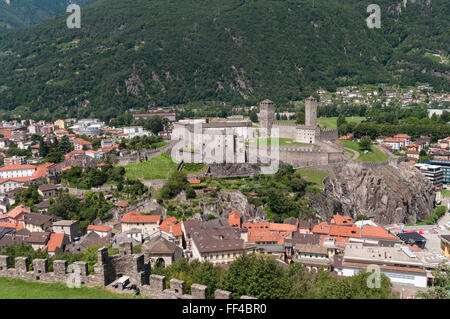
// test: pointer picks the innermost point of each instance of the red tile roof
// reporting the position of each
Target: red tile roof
(171, 224)
(135, 217)
(376, 232)
(122, 203)
(81, 141)
(17, 211)
(55, 242)
(194, 181)
(234, 219)
(344, 231)
(321, 228)
(341, 220)
(99, 228)
(17, 167)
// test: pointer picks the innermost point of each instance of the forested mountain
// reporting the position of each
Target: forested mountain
(157, 52)
(21, 13)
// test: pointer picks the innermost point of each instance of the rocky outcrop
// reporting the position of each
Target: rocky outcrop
(229, 200)
(390, 194)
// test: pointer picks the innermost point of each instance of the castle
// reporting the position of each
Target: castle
(218, 142)
(308, 133)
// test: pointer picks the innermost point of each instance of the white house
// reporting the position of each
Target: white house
(102, 231)
(145, 223)
(11, 171)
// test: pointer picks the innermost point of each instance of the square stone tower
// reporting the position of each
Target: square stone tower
(311, 112)
(266, 116)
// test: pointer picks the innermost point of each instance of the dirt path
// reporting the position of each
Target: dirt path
(355, 153)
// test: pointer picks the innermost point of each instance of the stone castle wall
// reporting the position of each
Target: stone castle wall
(106, 271)
(145, 155)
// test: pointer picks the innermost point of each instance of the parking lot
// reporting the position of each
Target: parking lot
(432, 233)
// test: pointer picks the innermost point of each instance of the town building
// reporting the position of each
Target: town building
(398, 263)
(218, 244)
(147, 224)
(433, 172)
(161, 251)
(67, 227)
(37, 222)
(15, 160)
(169, 116)
(445, 245)
(48, 190)
(101, 231)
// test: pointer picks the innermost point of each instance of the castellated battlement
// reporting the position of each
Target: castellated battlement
(123, 273)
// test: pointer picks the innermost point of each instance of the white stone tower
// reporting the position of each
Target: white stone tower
(266, 117)
(311, 112)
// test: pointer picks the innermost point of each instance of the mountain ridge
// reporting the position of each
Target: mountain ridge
(173, 52)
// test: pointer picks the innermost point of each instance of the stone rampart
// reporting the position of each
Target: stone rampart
(122, 273)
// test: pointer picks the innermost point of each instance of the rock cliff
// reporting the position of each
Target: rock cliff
(390, 194)
(229, 200)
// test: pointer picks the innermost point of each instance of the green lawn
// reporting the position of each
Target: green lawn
(327, 122)
(284, 121)
(313, 176)
(13, 288)
(445, 192)
(158, 167)
(195, 168)
(281, 142)
(331, 122)
(373, 156)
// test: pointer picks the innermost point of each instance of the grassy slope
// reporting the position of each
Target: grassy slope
(314, 176)
(331, 122)
(281, 142)
(158, 167)
(374, 156)
(12, 288)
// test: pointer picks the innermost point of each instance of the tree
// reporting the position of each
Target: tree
(365, 143)
(175, 184)
(64, 145)
(155, 124)
(190, 192)
(43, 148)
(441, 283)
(54, 157)
(253, 116)
(300, 117)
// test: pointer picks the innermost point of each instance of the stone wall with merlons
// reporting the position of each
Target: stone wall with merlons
(106, 271)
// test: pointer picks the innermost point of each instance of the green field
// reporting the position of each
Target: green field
(158, 167)
(373, 156)
(445, 192)
(281, 142)
(13, 288)
(314, 176)
(327, 122)
(331, 122)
